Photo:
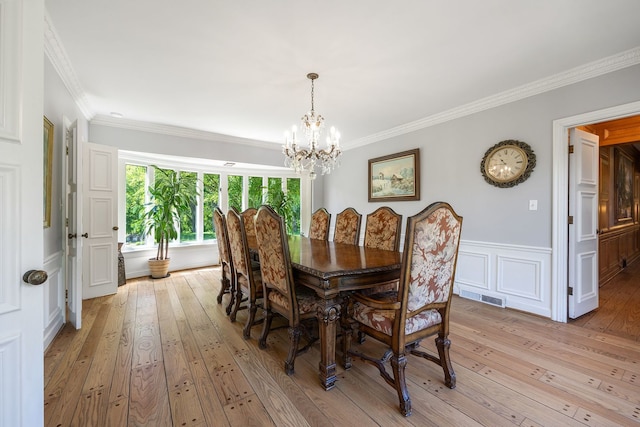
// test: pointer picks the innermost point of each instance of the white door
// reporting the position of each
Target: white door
(583, 233)
(21, 212)
(73, 214)
(99, 220)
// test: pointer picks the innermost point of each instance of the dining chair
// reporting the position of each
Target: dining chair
(421, 306)
(248, 215)
(224, 254)
(382, 230)
(347, 228)
(281, 296)
(247, 273)
(320, 221)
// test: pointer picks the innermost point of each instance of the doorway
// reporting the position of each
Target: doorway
(560, 210)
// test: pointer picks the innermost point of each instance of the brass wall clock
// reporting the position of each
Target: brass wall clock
(508, 163)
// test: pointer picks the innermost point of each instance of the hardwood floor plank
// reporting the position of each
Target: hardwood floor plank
(209, 401)
(91, 410)
(121, 378)
(248, 412)
(149, 402)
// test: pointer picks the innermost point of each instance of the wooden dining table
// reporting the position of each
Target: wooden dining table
(333, 270)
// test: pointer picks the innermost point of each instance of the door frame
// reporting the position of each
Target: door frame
(560, 197)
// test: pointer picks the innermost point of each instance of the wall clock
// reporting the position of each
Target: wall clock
(508, 163)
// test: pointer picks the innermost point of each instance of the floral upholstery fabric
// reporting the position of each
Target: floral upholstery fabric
(221, 235)
(272, 260)
(306, 302)
(433, 256)
(381, 232)
(247, 219)
(319, 225)
(235, 242)
(347, 227)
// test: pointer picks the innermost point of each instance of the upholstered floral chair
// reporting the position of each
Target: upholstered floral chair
(347, 227)
(224, 253)
(248, 216)
(420, 308)
(319, 228)
(382, 230)
(247, 273)
(281, 296)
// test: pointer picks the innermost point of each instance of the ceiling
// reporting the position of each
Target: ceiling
(239, 68)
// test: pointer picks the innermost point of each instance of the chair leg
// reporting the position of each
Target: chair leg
(232, 294)
(398, 364)
(443, 343)
(266, 327)
(294, 340)
(253, 308)
(224, 287)
(237, 304)
(347, 336)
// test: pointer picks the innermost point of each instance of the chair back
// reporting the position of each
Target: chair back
(247, 219)
(347, 227)
(275, 263)
(383, 229)
(224, 251)
(319, 228)
(429, 264)
(239, 249)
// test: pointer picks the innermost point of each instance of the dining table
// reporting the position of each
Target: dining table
(333, 270)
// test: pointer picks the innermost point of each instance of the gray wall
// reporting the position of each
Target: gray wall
(451, 153)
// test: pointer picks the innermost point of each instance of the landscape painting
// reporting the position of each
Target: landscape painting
(395, 177)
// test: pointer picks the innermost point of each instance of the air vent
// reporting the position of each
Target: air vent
(498, 302)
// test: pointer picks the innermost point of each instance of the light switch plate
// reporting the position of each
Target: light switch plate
(533, 205)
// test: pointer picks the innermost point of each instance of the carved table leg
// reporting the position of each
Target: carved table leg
(328, 315)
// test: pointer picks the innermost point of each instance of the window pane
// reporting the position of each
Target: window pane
(293, 194)
(136, 179)
(255, 191)
(274, 188)
(234, 192)
(211, 190)
(188, 221)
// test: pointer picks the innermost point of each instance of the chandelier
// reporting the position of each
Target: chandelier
(308, 157)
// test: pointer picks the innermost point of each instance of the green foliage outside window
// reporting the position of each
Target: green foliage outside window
(136, 177)
(293, 192)
(234, 192)
(255, 191)
(188, 221)
(211, 193)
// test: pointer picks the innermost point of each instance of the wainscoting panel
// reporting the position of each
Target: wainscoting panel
(506, 275)
(54, 297)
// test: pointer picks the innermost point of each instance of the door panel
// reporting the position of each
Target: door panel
(21, 212)
(73, 215)
(100, 220)
(583, 234)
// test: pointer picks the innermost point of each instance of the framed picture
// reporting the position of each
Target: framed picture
(48, 164)
(395, 177)
(623, 178)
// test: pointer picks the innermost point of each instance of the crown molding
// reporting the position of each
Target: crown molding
(103, 120)
(600, 67)
(56, 53)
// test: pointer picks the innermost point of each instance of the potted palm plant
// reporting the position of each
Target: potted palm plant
(171, 198)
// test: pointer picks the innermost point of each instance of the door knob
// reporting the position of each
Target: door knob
(85, 235)
(72, 236)
(35, 277)
(115, 228)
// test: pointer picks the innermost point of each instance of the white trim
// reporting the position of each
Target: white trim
(602, 66)
(560, 210)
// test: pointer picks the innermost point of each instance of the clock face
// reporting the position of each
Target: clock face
(506, 163)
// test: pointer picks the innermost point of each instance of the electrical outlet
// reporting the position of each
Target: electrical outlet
(533, 205)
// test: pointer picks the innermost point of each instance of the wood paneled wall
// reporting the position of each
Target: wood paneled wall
(619, 238)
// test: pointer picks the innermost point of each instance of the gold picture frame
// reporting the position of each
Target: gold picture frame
(47, 175)
(395, 177)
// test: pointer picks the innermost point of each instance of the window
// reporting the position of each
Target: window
(136, 179)
(243, 190)
(188, 228)
(234, 191)
(211, 200)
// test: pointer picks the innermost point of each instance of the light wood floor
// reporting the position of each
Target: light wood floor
(162, 353)
(619, 310)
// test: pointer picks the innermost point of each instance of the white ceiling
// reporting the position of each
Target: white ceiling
(239, 67)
